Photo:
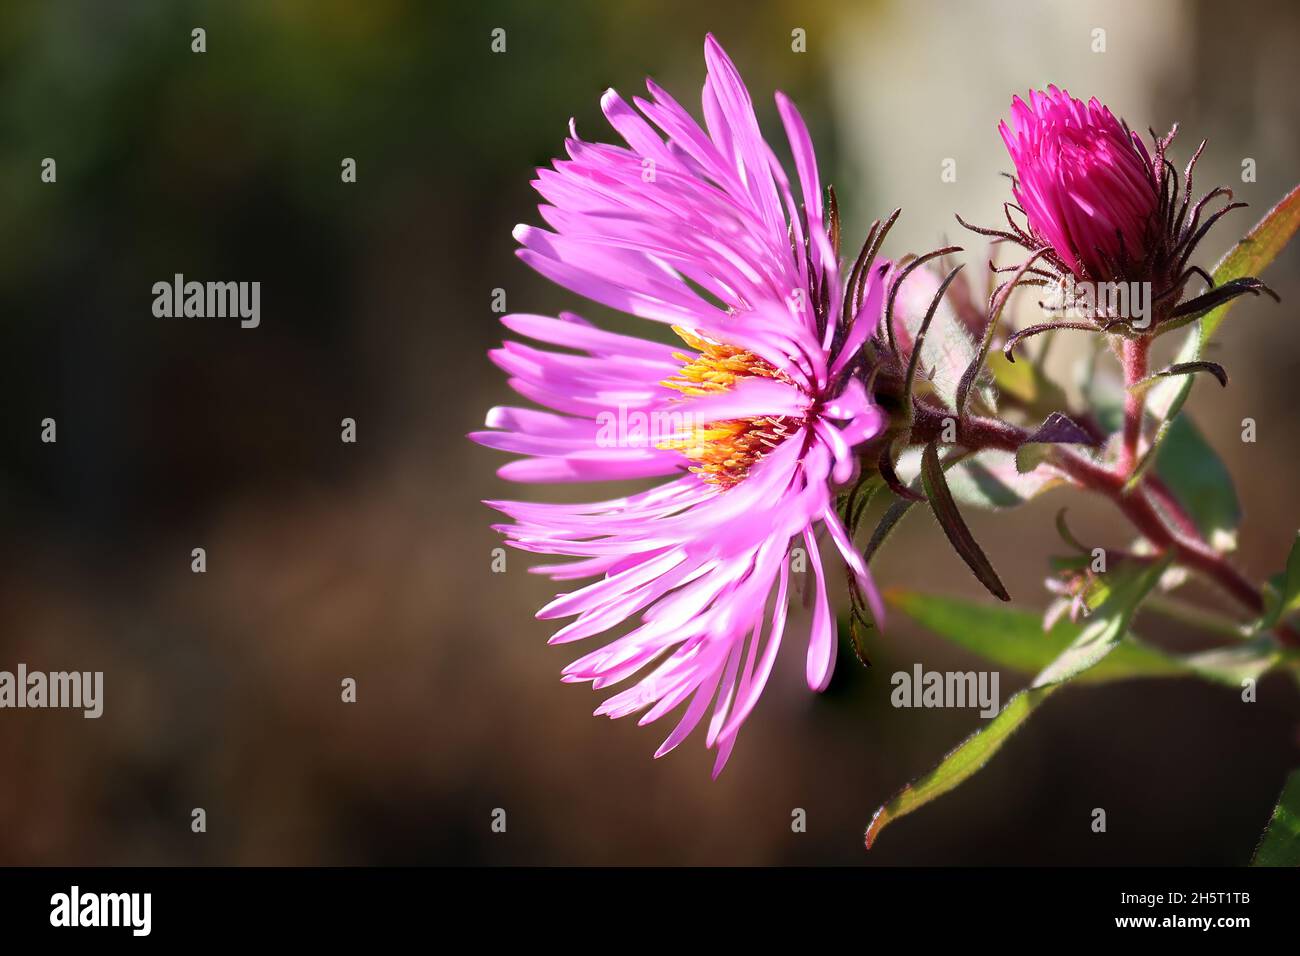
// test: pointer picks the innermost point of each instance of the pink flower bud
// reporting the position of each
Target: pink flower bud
(1087, 185)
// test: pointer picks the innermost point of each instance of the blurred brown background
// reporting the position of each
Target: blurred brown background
(371, 560)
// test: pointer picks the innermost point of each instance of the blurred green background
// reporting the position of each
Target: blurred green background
(372, 560)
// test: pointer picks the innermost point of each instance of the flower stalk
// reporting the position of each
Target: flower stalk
(1133, 357)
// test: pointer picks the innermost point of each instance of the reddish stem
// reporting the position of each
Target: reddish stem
(1133, 357)
(1164, 497)
(1139, 505)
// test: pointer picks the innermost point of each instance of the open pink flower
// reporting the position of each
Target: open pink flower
(1086, 183)
(751, 422)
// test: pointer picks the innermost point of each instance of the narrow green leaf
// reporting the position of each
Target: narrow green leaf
(1280, 844)
(954, 526)
(1199, 306)
(961, 763)
(1248, 257)
(1253, 253)
(1013, 638)
(1108, 623)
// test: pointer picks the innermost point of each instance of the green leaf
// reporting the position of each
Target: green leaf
(1253, 253)
(1107, 625)
(1199, 479)
(1280, 844)
(1282, 596)
(1013, 637)
(1249, 257)
(962, 763)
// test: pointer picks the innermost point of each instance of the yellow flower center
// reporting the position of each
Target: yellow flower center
(723, 451)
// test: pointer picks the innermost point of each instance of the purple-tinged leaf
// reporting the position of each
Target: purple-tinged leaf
(1058, 429)
(1181, 368)
(954, 526)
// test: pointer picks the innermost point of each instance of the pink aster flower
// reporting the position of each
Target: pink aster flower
(1086, 183)
(749, 425)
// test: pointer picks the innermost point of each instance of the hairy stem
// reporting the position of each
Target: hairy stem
(1133, 357)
